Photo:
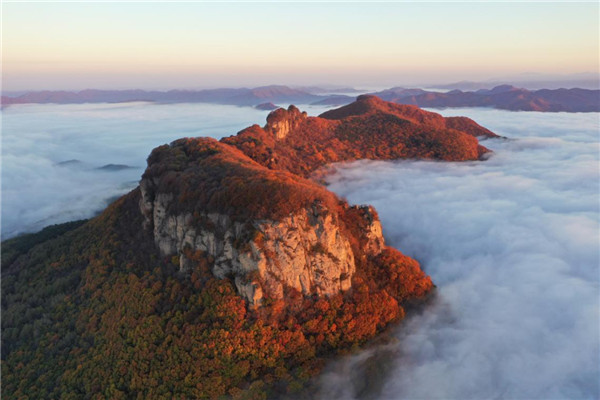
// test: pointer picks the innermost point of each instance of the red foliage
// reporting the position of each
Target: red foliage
(209, 176)
(368, 128)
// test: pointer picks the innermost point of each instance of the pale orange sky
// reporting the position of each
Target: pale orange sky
(168, 45)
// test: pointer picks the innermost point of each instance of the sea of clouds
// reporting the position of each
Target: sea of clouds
(512, 244)
(37, 190)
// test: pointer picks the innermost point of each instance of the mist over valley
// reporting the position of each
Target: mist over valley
(61, 162)
(511, 242)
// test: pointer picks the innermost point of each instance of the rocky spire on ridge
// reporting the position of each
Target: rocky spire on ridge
(281, 121)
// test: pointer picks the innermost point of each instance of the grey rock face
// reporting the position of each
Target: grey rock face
(281, 122)
(306, 250)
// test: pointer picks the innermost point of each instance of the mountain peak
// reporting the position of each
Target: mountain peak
(266, 106)
(504, 88)
(226, 250)
(368, 98)
(364, 104)
(281, 121)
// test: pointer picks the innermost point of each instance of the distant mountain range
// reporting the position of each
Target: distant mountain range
(238, 97)
(531, 81)
(505, 97)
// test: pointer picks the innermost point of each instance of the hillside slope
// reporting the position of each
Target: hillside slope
(226, 272)
(369, 128)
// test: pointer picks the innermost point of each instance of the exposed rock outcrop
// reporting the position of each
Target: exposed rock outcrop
(308, 251)
(268, 246)
(281, 122)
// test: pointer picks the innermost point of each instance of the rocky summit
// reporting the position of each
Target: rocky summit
(244, 202)
(268, 230)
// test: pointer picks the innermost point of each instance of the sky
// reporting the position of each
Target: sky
(154, 45)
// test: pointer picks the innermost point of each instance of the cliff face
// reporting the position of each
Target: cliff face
(307, 250)
(281, 122)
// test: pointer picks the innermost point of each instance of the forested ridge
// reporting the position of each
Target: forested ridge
(95, 313)
(92, 310)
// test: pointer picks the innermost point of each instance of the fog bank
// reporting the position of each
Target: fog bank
(51, 154)
(512, 244)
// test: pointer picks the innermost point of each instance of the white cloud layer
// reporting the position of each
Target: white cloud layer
(37, 192)
(512, 244)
